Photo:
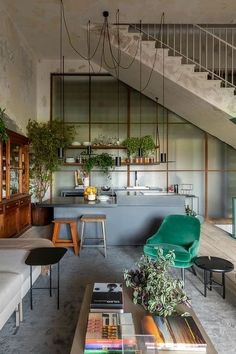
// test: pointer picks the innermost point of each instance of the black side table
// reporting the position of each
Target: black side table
(210, 265)
(43, 256)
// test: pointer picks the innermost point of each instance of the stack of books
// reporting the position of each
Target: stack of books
(107, 297)
(174, 333)
(109, 333)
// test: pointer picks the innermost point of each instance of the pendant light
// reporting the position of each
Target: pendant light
(157, 134)
(163, 154)
(118, 158)
(140, 151)
(62, 106)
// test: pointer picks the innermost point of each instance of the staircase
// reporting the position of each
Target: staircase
(208, 104)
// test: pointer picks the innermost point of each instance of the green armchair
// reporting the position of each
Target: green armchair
(179, 233)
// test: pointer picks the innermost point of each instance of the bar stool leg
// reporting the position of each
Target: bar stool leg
(74, 236)
(81, 236)
(210, 281)
(56, 232)
(104, 238)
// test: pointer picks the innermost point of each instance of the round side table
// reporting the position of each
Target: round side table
(210, 265)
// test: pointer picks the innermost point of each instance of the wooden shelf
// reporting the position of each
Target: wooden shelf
(122, 164)
(104, 147)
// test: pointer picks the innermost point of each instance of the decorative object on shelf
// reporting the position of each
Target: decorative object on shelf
(147, 145)
(103, 140)
(144, 145)
(153, 288)
(3, 132)
(45, 139)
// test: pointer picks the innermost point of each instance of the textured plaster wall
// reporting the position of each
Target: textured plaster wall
(17, 74)
(44, 70)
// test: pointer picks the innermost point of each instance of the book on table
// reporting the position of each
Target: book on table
(107, 297)
(174, 333)
(106, 331)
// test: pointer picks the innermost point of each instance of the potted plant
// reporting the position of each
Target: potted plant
(45, 139)
(103, 161)
(153, 287)
(132, 144)
(147, 145)
(3, 132)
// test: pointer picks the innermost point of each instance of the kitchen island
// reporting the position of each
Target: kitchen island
(132, 216)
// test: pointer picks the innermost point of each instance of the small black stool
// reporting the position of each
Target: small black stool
(44, 256)
(213, 264)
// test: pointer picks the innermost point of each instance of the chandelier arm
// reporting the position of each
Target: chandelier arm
(114, 67)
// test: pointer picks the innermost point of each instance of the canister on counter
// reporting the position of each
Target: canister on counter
(176, 188)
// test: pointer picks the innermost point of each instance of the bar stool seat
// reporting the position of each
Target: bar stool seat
(62, 242)
(96, 218)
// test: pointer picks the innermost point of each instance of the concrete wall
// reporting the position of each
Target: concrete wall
(44, 70)
(17, 74)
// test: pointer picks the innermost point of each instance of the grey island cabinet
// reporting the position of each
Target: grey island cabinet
(131, 216)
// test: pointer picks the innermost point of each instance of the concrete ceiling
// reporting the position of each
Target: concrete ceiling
(39, 21)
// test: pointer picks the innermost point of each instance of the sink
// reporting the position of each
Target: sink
(137, 187)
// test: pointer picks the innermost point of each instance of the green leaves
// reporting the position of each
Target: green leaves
(103, 161)
(3, 133)
(154, 288)
(45, 139)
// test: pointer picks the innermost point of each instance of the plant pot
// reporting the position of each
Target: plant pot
(41, 216)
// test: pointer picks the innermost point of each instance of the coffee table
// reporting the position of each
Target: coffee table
(137, 311)
(210, 265)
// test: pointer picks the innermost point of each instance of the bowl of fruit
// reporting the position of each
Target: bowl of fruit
(90, 193)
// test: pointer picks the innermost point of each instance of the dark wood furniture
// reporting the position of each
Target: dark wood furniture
(137, 312)
(213, 265)
(15, 201)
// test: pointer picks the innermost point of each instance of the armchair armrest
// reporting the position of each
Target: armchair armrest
(193, 249)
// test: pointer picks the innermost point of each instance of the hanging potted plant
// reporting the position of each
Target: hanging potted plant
(45, 139)
(3, 131)
(153, 287)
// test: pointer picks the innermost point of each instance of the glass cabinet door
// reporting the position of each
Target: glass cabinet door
(4, 170)
(14, 169)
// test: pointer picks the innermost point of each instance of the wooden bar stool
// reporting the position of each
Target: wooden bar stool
(97, 218)
(59, 242)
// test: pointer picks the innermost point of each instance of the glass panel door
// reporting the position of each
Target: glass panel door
(14, 169)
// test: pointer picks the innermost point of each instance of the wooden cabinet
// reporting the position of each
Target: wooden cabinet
(15, 204)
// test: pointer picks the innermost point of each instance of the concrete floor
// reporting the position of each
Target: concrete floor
(48, 331)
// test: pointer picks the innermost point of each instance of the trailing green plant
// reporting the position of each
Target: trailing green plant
(189, 211)
(45, 139)
(153, 287)
(147, 145)
(132, 144)
(3, 132)
(103, 161)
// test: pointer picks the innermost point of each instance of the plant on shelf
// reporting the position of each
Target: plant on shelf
(45, 139)
(103, 161)
(3, 132)
(147, 145)
(132, 144)
(153, 287)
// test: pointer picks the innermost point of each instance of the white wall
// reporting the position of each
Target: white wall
(17, 74)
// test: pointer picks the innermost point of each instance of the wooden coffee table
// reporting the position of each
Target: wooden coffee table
(138, 313)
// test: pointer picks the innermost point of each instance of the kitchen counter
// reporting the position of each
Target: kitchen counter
(132, 216)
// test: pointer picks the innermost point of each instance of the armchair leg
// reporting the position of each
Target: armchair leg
(183, 275)
(193, 270)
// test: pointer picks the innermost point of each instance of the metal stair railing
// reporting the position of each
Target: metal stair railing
(197, 45)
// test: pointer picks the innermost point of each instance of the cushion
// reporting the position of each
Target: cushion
(25, 243)
(13, 261)
(181, 254)
(10, 284)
